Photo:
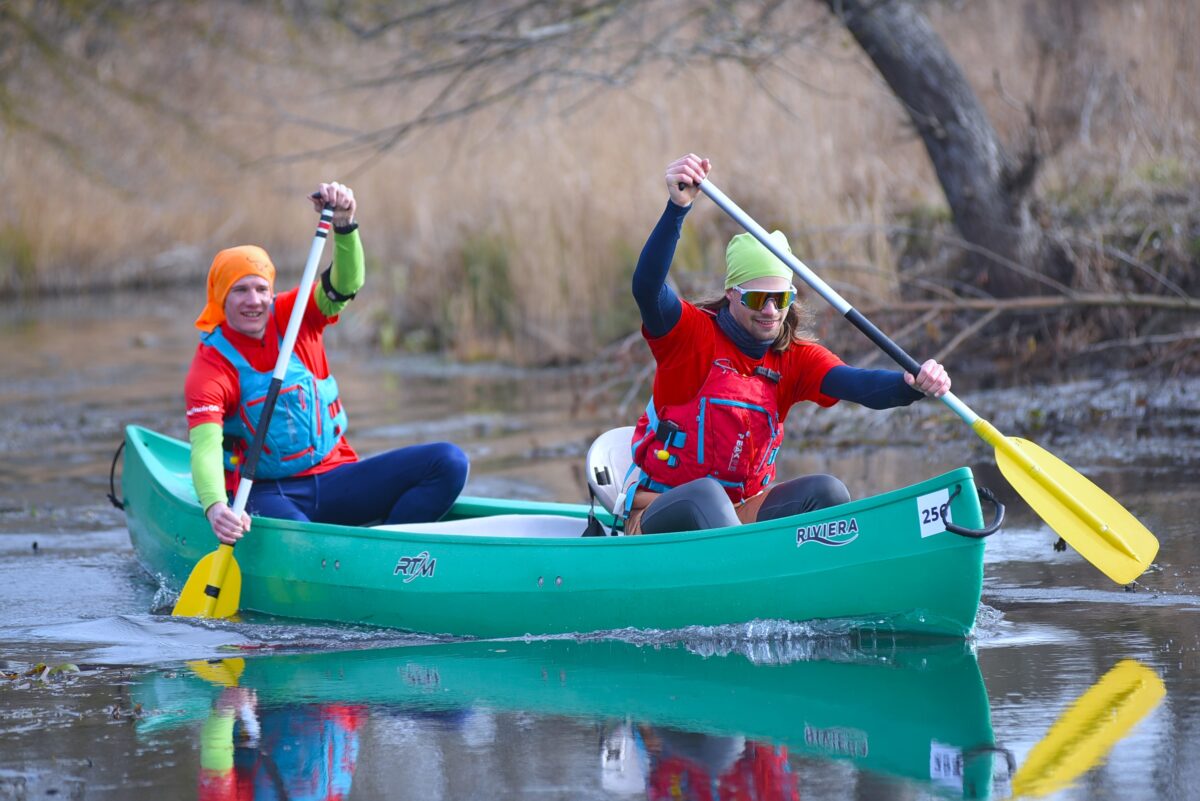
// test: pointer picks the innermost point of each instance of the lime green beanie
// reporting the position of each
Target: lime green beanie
(746, 259)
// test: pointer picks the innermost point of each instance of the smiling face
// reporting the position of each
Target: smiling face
(765, 323)
(247, 305)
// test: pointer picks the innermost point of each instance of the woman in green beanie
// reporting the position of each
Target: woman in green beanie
(729, 369)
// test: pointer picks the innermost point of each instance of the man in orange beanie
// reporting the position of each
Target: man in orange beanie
(307, 469)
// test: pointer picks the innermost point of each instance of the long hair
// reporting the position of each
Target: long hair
(797, 323)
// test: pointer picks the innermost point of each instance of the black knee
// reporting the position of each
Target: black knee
(694, 506)
(828, 491)
(804, 494)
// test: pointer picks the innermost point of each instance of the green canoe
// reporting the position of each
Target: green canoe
(918, 711)
(496, 568)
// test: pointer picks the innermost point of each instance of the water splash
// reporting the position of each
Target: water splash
(776, 642)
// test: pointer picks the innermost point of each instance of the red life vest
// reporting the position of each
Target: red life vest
(730, 430)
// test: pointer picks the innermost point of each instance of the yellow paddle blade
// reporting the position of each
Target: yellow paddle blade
(1090, 727)
(219, 569)
(1102, 530)
(222, 672)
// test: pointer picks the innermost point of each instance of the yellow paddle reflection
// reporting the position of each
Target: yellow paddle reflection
(1085, 733)
(222, 673)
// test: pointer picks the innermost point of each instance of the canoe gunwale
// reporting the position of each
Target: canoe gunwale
(466, 503)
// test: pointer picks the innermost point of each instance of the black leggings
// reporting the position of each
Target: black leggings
(804, 494)
(703, 503)
(694, 506)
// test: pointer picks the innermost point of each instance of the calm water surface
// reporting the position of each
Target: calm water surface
(1085, 690)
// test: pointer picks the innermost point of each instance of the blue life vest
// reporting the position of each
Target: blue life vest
(307, 422)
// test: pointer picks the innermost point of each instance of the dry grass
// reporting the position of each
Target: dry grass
(514, 233)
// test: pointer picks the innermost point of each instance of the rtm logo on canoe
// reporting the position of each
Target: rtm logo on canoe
(412, 567)
(835, 532)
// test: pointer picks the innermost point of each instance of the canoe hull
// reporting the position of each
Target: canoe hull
(866, 561)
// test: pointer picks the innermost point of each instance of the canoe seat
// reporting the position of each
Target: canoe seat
(608, 462)
(528, 526)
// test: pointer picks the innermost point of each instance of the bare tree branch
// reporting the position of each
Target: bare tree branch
(962, 336)
(1141, 342)
(1042, 303)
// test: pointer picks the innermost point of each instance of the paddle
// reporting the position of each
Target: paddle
(1089, 728)
(1084, 515)
(220, 672)
(215, 586)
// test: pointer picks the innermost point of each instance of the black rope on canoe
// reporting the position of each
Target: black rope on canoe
(985, 496)
(946, 506)
(1010, 761)
(112, 487)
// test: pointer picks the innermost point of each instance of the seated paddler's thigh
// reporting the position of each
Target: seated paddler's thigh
(694, 506)
(286, 499)
(804, 494)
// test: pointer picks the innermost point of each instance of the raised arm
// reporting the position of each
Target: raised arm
(659, 305)
(340, 283)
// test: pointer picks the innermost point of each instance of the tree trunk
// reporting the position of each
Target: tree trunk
(988, 192)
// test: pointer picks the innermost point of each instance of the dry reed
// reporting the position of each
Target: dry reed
(559, 202)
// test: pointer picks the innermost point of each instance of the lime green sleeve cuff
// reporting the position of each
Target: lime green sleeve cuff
(208, 463)
(216, 740)
(347, 275)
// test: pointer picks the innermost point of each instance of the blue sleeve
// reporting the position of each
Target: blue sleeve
(875, 389)
(658, 303)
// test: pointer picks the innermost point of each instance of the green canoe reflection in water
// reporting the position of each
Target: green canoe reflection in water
(913, 711)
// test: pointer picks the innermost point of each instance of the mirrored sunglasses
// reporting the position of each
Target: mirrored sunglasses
(757, 298)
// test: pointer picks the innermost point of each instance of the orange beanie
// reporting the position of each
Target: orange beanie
(230, 266)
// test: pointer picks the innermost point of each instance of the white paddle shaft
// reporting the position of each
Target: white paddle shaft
(246, 481)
